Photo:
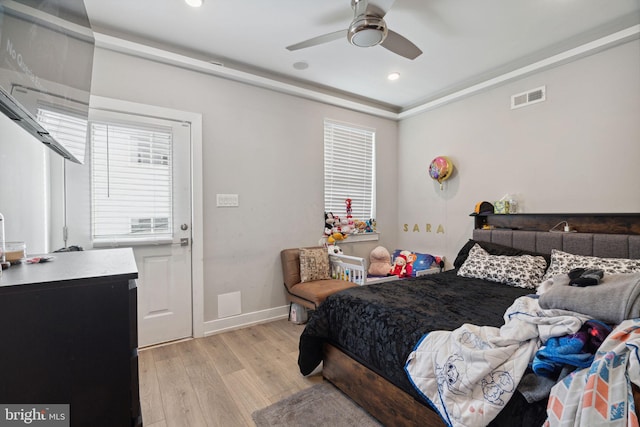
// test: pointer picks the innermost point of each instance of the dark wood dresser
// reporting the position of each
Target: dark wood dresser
(68, 335)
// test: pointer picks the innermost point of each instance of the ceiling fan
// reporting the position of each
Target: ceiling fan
(368, 29)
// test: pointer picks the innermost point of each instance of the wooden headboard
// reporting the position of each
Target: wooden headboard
(601, 235)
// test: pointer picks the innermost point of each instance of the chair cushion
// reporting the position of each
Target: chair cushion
(317, 291)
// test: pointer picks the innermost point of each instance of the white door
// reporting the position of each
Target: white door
(161, 236)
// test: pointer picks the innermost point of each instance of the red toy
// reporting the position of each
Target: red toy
(400, 267)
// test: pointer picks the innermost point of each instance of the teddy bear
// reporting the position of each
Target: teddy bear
(379, 262)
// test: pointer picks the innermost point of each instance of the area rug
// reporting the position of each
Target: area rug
(319, 405)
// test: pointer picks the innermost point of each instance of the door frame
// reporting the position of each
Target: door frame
(197, 202)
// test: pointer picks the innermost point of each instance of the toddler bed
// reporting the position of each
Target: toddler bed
(355, 269)
(364, 335)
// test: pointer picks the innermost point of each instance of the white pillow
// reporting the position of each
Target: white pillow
(522, 271)
(563, 262)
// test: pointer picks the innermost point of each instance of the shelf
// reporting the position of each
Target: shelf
(358, 237)
(615, 223)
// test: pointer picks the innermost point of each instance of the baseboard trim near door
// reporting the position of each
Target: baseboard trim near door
(230, 323)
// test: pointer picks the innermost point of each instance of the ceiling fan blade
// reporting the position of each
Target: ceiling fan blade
(379, 7)
(326, 38)
(400, 45)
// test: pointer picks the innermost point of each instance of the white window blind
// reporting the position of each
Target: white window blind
(349, 159)
(131, 182)
(66, 128)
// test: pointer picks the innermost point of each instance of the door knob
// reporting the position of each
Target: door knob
(184, 227)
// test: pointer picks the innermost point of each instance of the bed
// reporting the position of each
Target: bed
(364, 335)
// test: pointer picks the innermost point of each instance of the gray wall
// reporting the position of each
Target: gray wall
(576, 152)
(24, 187)
(264, 146)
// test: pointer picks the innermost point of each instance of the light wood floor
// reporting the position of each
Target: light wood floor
(220, 380)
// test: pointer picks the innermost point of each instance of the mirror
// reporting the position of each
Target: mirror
(46, 60)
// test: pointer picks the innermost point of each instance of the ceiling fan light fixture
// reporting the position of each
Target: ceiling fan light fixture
(367, 31)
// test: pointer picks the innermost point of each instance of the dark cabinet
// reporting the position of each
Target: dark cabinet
(68, 335)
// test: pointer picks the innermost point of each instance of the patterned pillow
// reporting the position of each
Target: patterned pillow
(563, 262)
(493, 249)
(314, 264)
(523, 271)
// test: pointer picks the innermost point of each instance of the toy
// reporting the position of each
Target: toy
(410, 256)
(371, 226)
(329, 223)
(335, 237)
(350, 220)
(345, 227)
(400, 267)
(334, 250)
(379, 262)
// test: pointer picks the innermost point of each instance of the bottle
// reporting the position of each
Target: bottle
(512, 203)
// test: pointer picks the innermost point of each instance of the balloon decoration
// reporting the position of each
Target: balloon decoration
(440, 169)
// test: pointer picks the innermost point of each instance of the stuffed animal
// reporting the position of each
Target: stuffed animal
(400, 267)
(379, 262)
(345, 227)
(334, 250)
(329, 223)
(410, 256)
(335, 237)
(360, 226)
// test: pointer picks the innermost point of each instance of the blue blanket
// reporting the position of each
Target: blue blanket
(576, 350)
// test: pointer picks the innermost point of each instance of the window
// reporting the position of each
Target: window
(349, 159)
(69, 129)
(149, 225)
(131, 182)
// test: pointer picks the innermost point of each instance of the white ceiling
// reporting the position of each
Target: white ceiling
(464, 41)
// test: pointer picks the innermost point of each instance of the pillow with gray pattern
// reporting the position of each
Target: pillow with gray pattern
(563, 262)
(523, 271)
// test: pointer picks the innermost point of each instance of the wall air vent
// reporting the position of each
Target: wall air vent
(529, 97)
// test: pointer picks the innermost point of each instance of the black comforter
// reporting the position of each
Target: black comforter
(378, 325)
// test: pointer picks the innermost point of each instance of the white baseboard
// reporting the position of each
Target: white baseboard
(230, 323)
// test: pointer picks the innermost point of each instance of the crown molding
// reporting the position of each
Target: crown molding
(159, 55)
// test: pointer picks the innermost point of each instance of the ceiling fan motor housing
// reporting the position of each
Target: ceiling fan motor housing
(367, 31)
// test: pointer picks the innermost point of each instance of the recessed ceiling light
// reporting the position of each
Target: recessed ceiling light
(301, 65)
(393, 76)
(194, 3)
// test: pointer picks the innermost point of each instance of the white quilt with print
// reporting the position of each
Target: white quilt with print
(468, 375)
